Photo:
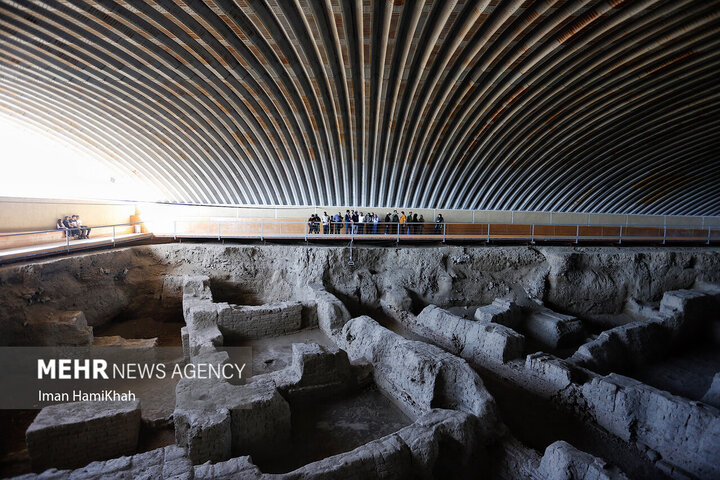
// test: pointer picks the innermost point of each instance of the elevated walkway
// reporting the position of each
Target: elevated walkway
(23, 245)
(263, 229)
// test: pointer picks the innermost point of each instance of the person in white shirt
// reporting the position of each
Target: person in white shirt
(84, 231)
(361, 223)
(326, 223)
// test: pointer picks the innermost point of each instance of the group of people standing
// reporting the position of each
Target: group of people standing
(73, 226)
(357, 223)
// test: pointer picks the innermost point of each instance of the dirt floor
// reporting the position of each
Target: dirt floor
(326, 428)
(167, 333)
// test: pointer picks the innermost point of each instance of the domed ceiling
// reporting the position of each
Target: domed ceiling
(590, 106)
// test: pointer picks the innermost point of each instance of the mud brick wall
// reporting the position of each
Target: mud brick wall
(71, 435)
(249, 322)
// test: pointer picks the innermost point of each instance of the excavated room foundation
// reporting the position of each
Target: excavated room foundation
(437, 362)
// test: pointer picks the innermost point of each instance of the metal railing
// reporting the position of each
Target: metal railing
(263, 229)
(68, 235)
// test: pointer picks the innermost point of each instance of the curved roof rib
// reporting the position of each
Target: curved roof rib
(593, 106)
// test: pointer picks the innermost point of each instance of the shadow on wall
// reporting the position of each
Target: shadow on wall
(224, 290)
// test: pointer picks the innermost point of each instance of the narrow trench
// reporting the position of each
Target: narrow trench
(335, 425)
(537, 423)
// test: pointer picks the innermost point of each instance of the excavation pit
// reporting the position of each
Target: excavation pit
(130, 326)
(270, 354)
(226, 291)
(329, 427)
(689, 373)
(348, 389)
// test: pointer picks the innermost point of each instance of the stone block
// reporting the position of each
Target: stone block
(204, 340)
(201, 426)
(562, 461)
(129, 343)
(553, 330)
(260, 418)
(686, 313)
(712, 396)
(215, 419)
(687, 301)
(166, 463)
(71, 435)
(235, 468)
(551, 374)
(185, 338)
(58, 328)
(197, 286)
(385, 458)
(625, 347)
(503, 311)
(332, 314)
(316, 371)
(686, 434)
(476, 341)
(172, 291)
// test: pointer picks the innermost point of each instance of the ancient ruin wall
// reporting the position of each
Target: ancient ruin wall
(147, 279)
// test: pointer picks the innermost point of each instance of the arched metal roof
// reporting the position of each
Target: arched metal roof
(594, 106)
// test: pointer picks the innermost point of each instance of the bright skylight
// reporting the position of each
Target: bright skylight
(36, 164)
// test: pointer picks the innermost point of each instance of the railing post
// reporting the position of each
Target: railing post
(444, 231)
(532, 238)
(397, 233)
(621, 230)
(113, 235)
(218, 230)
(174, 229)
(488, 234)
(306, 232)
(709, 229)
(577, 234)
(664, 234)
(67, 241)
(261, 230)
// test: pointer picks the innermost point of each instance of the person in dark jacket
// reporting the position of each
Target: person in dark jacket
(388, 219)
(348, 222)
(355, 220)
(67, 223)
(395, 222)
